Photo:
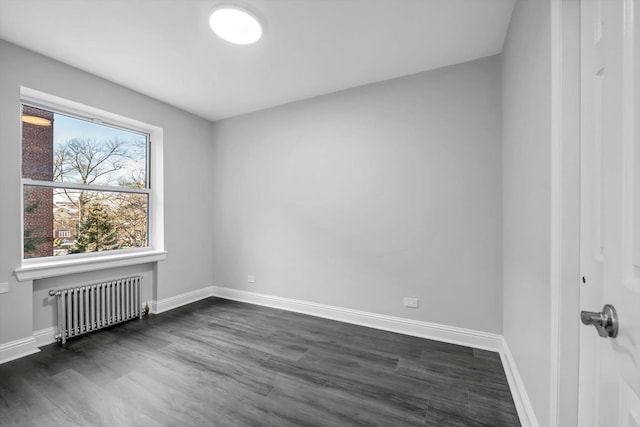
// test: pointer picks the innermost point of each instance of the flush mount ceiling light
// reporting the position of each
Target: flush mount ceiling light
(34, 120)
(235, 25)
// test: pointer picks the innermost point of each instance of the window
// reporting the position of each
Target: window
(87, 180)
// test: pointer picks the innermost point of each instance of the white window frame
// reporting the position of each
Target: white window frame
(38, 268)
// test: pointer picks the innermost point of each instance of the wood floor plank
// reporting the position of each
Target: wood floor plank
(224, 363)
(19, 402)
(300, 404)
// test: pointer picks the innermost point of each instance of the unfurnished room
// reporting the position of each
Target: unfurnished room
(320, 213)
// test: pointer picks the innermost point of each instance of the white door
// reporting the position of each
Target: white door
(610, 210)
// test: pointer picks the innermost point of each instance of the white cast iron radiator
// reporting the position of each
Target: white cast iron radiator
(92, 307)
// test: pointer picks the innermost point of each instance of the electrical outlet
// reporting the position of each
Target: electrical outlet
(4, 288)
(411, 302)
(251, 279)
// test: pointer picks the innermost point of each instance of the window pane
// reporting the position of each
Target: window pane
(60, 148)
(38, 222)
(60, 221)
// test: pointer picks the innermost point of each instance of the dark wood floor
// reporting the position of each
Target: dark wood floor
(224, 363)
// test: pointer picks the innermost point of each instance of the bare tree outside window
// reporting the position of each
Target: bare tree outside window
(100, 197)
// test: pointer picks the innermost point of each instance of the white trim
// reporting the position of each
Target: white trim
(434, 331)
(28, 182)
(417, 328)
(629, 154)
(16, 349)
(45, 336)
(31, 269)
(71, 265)
(518, 391)
(555, 249)
(160, 306)
(83, 111)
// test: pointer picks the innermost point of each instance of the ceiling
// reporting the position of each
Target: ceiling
(165, 48)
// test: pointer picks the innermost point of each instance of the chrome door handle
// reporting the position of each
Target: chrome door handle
(606, 321)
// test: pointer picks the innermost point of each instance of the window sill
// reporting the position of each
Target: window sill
(44, 269)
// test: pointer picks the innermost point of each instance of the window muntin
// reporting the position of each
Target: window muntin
(83, 178)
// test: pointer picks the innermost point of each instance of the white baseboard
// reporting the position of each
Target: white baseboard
(450, 334)
(16, 349)
(160, 306)
(45, 336)
(518, 391)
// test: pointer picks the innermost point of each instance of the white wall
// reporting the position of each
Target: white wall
(359, 198)
(526, 107)
(187, 171)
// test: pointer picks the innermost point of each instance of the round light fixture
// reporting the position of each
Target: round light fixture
(34, 120)
(235, 25)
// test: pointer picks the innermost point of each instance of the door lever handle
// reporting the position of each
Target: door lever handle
(606, 321)
(595, 319)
